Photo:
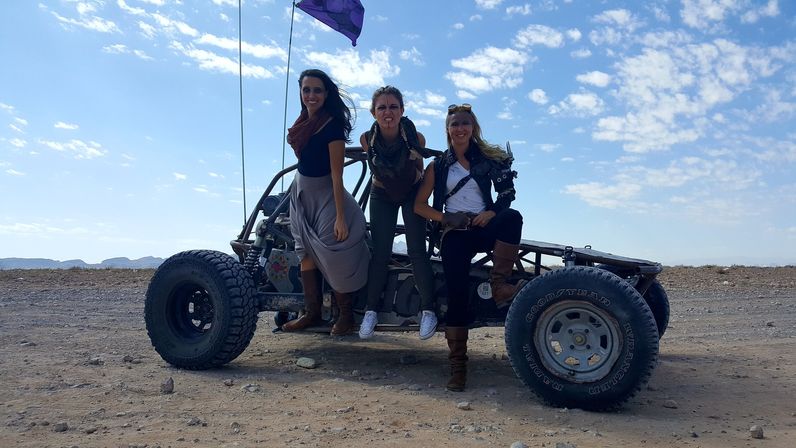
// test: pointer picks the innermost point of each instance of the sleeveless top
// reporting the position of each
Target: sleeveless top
(397, 167)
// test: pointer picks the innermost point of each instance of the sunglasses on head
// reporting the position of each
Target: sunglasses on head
(464, 107)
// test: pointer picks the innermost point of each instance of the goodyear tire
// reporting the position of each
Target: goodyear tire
(200, 310)
(581, 337)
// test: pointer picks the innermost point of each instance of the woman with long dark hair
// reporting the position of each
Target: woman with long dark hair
(327, 223)
(462, 180)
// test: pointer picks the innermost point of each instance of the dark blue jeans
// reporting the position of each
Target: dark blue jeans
(383, 219)
(457, 251)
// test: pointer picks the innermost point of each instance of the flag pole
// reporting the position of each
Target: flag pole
(240, 90)
(287, 84)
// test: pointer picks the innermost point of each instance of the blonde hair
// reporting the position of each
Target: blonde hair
(489, 150)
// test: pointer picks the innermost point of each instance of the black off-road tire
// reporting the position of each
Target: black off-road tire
(655, 296)
(200, 309)
(581, 337)
(658, 301)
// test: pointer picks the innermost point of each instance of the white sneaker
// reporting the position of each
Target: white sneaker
(428, 324)
(368, 324)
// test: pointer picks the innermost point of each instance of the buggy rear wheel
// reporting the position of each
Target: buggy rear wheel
(581, 337)
(200, 310)
(655, 296)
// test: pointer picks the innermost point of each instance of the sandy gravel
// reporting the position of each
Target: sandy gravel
(77, 370)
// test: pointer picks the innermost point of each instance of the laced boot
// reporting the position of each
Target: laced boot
(457, 343)
(504, 255)
(345, 320)
(311, 283)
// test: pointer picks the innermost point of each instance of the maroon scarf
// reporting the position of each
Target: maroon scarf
(305, 127)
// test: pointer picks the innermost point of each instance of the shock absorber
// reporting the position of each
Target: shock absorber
(253, 262)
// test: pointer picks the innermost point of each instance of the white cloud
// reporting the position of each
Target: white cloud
(599, 194)
(457, 26)
(775, 108)
(578, 104)
(435, 99)
(413, 55)
(122, 49)
(38, 229)
(78, 148)
(488, 69)
(538, 96)
(771, 9)
(14, 172)
(425, 103)
(539, 35)
(703, 14)
(170, 26)
(67, 126)
(257, 50)
(523, 10)
(179, 176)
(671, 92)
(595, 78)
(349, 68)
(548, 147)
(147, 30)
(224, 2)
(488, 4)
(583, 53)
(476, 17)
(129, 9)
(90, 23)
(574, 34)
(465, 95)
(620, 24)
(618, 17)
(215, 63)
(421, 122)
(18, 142)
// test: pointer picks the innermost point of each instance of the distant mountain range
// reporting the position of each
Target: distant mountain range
(110, 263)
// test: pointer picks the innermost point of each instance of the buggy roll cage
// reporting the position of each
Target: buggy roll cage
(269, 233)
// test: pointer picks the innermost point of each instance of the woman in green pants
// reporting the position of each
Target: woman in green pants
(395, 157)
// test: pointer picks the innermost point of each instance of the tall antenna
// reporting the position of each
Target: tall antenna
(240, 89)
(287, 79)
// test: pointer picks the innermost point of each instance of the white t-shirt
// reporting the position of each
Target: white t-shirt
(469, 198)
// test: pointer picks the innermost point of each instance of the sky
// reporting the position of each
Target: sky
(662, 130)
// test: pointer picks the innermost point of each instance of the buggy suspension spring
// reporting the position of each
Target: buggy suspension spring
(252, 261)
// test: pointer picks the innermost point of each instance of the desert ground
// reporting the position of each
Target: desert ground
(78, 370)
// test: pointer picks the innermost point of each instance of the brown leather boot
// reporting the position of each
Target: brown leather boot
(457, 343)
(311, 282)
(345, 321)
(504, 255)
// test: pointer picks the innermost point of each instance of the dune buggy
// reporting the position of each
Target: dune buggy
(580, 333)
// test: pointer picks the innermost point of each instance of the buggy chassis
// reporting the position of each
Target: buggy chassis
(584, 334)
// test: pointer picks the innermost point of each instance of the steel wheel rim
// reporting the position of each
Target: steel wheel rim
(577, 341)
(191, 312)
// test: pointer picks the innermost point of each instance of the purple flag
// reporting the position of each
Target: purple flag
(343, 16)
